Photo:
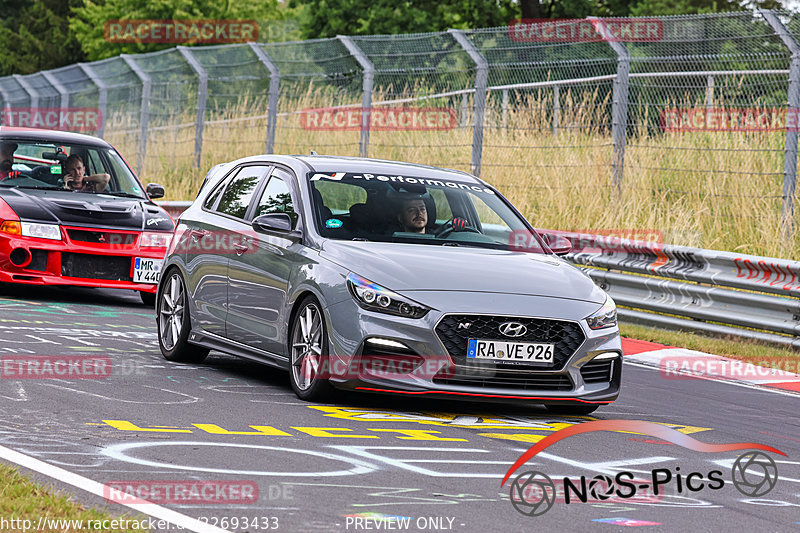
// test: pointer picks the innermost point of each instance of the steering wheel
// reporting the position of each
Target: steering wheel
(454, 224)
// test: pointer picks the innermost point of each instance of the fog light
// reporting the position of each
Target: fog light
(606, 356)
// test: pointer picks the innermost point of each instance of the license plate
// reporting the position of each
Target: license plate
(513, 352)
(146, 270)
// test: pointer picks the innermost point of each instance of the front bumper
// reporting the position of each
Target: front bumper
(445, 375)
(76, 263)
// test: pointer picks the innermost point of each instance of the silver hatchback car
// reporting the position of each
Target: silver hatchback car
(384, 277)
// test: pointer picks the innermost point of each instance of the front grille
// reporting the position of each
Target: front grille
(597, 371)
(567, 336)
(528, 381)
(96, 266)
(102, 237)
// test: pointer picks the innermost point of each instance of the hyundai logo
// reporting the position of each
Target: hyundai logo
(513, 329)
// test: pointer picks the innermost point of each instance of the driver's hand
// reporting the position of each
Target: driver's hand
(460, 223)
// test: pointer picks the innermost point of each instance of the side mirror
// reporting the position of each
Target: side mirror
(273, 222)
(558, 243)
(154, 190)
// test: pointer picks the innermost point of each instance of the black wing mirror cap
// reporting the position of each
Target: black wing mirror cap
(273, 222)
(559, 244)
(154, 190)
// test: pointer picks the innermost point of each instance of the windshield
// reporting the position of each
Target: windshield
(75, 167)
(350, 206)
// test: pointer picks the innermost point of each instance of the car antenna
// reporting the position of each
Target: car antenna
(314, 152)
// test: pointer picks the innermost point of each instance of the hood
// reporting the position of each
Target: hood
(421, 267)
(84, 209)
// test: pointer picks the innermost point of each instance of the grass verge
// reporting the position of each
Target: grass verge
(742, 349)
(22, 499)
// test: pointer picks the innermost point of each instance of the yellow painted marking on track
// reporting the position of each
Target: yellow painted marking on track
(470, 421)
(124, 425)
(326, 432)
(259, 430)
(519, 437)
(417, 434)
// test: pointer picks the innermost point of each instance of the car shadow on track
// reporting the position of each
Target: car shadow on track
(274, 378)
(72, 295)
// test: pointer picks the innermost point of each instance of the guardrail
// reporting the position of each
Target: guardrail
(685, 288)
(680, 287)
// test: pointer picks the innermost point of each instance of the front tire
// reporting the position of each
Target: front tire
(174, 323)
(308, 347)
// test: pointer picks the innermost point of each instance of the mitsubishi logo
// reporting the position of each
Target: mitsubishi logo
(513, 329)
(101, 238)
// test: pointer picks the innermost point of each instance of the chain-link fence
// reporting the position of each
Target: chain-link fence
(689, 128)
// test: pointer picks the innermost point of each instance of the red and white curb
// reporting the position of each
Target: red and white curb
(681, 364)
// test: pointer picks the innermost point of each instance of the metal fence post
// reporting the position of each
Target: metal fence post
(202, 91)
(464, 110)
(709, 92)
(144, 117)
(556, 109)
(481, 81)
(33, 96)
(793, 107)
(366, 96)
(619, 106)
(272, 101)
(6, 101)
(102, 94)
(505, 109)
(63, 93)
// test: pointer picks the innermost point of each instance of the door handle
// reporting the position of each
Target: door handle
(240, 248)
(198, 234)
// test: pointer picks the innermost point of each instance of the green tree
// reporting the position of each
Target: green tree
(36, 36)
(328, 18)
(89, 19)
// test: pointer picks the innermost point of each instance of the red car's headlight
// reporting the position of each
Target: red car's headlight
(155, 239)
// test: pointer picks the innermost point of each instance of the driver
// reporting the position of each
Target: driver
(7, 150)
(413, 215)
(75, 180)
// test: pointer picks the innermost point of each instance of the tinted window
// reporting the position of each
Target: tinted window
(240, 190)
(277, 198)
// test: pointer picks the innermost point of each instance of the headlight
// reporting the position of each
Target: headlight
(41, 231)
(155, 239)
(605, 317)
(373, 297)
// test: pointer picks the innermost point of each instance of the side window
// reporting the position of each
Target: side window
(212, 198)
(443, 212)
(277, 197)
(240, 190)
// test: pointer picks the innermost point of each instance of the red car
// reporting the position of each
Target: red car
(72, 212)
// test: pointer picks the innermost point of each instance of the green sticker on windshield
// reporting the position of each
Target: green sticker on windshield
(137, 189)
(55, 169)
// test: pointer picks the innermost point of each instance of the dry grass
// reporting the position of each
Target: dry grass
(713, 190)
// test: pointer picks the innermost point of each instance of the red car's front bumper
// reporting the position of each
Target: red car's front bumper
(77, 259)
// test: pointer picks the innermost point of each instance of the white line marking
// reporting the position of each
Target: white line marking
(721, 380)
(98, 489)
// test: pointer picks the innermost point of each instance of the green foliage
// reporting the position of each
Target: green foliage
(328, 18)
(37, 36)
(89, 19)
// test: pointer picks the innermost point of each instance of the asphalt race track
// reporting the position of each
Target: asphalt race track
(367, 462)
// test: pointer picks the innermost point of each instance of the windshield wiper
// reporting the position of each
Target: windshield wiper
(46, 187)
(122, 194)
